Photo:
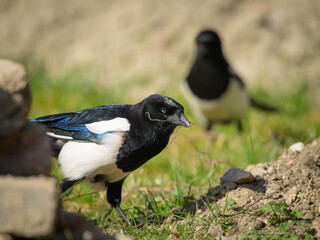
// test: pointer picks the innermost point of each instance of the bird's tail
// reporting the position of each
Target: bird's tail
(262, 106)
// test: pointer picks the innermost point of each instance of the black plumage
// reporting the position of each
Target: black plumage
(215, 91)
(103, 145)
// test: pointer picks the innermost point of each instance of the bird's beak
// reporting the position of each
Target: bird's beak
(180, 119)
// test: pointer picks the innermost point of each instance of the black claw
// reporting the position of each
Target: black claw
(123, 215)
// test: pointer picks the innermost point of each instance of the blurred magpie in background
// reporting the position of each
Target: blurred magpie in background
(103, 145)
(215, 92)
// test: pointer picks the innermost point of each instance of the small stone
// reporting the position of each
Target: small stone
(316, 226)
(175, 232)
(291, 198)
(297, 147)
(214, 191)
(215, 230)
(270, 191)
(271, 170)
(290, 162)
(87, 235)
(223, 191)
(230, 185)
(119, 237)
(237, 175)
(308, 216)
(256, 225)
(295, 190)
(258, 171)
(274, 186)
(250, 167)
(198, 228)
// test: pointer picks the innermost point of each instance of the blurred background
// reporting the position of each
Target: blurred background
(151, 43)
(89, 53)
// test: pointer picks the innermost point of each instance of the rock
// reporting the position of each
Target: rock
(308, 216)
(214, 191)
(11, 117)
(271, 170)
(122, 237)
(230, 185)
(297, 147)
(175, 232)
(316, 226)
(291, 198)
(294, 190)
(274, 186)
(258, 170)
(26, 153)
(13, 79)
(256, 225)
(290, 162)
(28, 206)
(215, 230)
(270, 191)
(78, 227)
(237, 175)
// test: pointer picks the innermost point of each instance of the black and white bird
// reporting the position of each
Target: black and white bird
(214, 90)
(103, 145)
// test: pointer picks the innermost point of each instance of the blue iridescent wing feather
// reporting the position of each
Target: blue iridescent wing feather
(72, 124)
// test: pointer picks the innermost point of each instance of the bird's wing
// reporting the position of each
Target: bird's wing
(90, 125)
(235, 76)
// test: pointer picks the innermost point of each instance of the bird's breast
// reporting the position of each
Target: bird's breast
(82, 159)
(231, 105)
(133, 154)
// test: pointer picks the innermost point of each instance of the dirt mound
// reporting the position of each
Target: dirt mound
(283, 200)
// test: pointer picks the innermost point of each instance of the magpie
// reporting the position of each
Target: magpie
(215, 91)
(103, 145)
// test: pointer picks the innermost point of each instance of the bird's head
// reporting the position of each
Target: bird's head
(208, 44)
(164, 111)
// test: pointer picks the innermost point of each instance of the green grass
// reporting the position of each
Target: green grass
(189, 163)
(283, 221)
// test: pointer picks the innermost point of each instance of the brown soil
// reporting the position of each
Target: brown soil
(294, 179)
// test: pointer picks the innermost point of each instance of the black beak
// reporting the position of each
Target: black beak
(179, 119)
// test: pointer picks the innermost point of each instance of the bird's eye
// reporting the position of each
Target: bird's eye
(163, 110)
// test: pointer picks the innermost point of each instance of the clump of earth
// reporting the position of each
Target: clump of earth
(292, 181)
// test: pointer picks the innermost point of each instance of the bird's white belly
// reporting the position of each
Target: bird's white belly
(232, 105)
(78, 159)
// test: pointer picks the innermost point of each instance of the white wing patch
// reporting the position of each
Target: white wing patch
(78, 159)
(117, 124)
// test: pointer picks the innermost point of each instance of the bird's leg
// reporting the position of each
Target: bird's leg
(114, 197)
(123, 214)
